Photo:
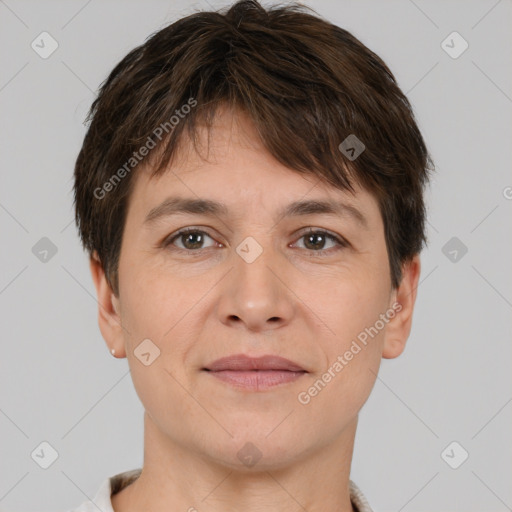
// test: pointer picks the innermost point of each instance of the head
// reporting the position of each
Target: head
(218, 123)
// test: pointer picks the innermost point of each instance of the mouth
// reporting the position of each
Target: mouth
(255, 373)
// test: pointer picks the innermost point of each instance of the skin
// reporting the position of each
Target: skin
(289, 302)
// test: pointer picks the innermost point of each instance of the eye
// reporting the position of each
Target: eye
(191, 238)
(315, 241)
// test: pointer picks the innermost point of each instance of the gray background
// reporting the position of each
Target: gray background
(59, 383)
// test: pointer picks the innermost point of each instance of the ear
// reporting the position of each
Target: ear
(404, 297)
(109, 319)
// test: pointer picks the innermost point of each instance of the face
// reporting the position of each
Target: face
(247, 279)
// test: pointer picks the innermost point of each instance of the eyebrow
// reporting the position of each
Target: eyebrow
(181, 205)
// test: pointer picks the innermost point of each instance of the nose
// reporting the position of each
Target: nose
(255, 296)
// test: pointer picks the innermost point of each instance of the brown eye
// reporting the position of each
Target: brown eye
(316, 240)
(191, 239)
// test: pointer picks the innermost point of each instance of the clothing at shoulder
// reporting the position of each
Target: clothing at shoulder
(114, 484)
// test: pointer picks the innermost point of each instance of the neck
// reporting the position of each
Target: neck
(189, 481)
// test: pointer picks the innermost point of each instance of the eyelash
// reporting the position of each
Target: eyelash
(322, 252)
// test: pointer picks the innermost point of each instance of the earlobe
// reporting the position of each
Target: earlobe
(109, 319)
(399, 327)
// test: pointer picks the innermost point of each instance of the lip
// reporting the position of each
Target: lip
(255, 373)
(242, 362)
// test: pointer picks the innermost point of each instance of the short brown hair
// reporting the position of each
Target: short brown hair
(305, 83)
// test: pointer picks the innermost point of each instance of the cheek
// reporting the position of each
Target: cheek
(163, 397)
(336, 392)
(161, 307)
(351, 343)
(347, 303)
(153, 300)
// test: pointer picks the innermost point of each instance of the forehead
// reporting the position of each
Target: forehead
(230, 166)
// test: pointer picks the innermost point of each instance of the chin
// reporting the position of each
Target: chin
(250, 451)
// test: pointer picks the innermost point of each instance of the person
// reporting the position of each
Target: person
(250, 191)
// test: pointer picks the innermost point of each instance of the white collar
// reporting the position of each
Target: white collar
(102, 500)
